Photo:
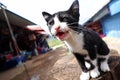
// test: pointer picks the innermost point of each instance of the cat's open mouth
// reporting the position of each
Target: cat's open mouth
(62, 35)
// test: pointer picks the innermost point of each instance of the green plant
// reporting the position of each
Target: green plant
(54, 42)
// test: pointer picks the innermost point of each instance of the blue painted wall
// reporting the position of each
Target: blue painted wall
(114, 7)
(111, 25)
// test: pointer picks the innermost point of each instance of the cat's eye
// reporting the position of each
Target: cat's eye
(63, 19)
(51, 22)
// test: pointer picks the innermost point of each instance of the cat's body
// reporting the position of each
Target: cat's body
(89, 49)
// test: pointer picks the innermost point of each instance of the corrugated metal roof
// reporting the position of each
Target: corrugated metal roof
(15, 19)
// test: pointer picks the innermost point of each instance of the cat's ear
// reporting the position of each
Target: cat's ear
(74, 9)
(46, 16)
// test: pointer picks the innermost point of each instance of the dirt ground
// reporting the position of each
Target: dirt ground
(57, 64)
(113, 43)
(54, 65)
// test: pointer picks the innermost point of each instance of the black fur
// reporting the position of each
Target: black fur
(94, 45)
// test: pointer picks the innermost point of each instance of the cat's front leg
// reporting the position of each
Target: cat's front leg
(104, 63)
(104, 66)
(84, 65)
(85, 76)
(94, 72)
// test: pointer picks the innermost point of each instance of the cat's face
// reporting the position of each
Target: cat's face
(59, 23)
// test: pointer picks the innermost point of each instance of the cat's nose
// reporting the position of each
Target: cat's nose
(57, 28)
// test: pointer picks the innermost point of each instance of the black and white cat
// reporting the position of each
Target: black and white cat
(90, 50)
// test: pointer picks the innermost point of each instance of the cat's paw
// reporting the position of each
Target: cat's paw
(104, 67)
(94, 73)
(87, 65)
(85, 76)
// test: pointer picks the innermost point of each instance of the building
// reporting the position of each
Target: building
(23, 44)
(21, 28)
(108, 18)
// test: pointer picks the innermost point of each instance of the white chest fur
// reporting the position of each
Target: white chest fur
(75, 42)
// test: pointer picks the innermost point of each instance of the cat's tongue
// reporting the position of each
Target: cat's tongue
(61, 35)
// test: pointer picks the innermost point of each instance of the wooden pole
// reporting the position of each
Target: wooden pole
(10, 29)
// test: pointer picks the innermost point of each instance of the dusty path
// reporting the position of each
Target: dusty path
(55, 65)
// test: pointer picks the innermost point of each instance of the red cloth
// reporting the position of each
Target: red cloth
(39, 49)
(9, 56)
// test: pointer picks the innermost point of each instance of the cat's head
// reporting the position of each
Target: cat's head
(59, 23)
